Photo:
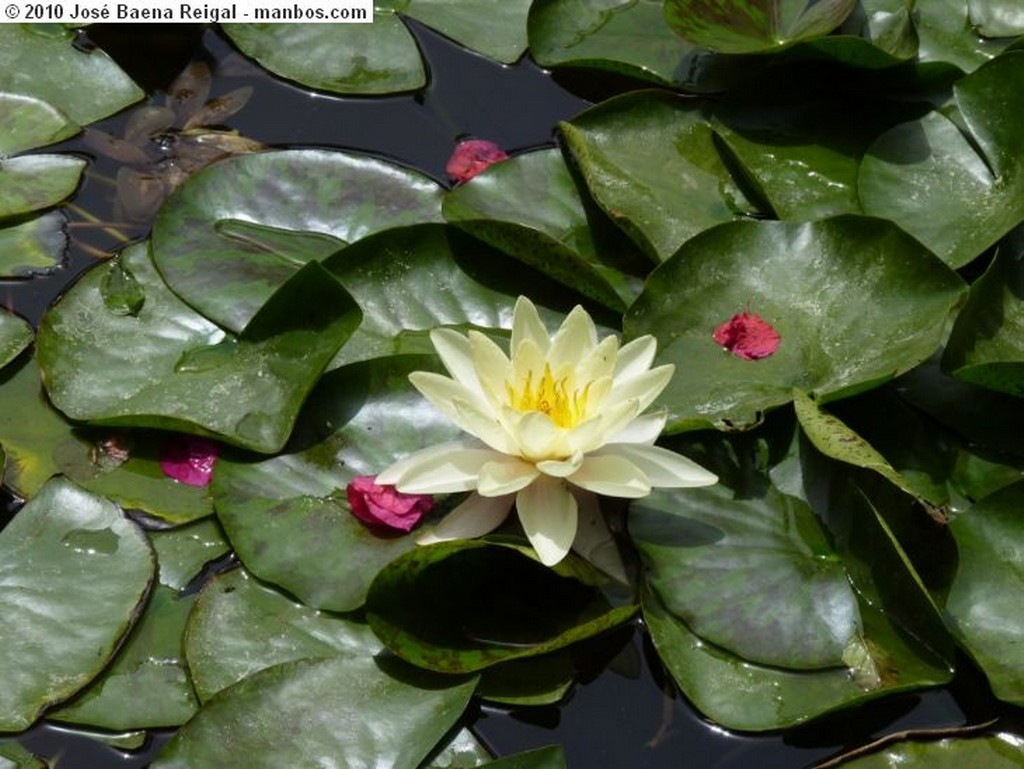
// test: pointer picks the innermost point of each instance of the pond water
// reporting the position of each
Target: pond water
(628, 714)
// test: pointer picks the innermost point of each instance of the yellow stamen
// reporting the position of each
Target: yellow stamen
(564, 404)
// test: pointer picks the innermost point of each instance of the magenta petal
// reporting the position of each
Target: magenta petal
(747, 335)
(385, 506)
(189, 459)
(472, 156)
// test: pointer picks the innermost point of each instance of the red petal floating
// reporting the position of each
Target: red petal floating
(189, 459)
(748, 336)
(379, 505)
(472, 156)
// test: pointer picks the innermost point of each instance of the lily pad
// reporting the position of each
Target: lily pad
(650, 161)
(996, 18)
(550, 757)
(754, 26)
(15, 336)
(35, 245)
(957, 189)
(240, 626)
(497, 30)
(948, 37)
(359, 711)
(14, 756)
(995, 751)
(182, 552)
(148, 684)
(288, 517)
(623, 36)
(755, 577)
(31, 182)
(61, 632)
(85, 86)
(169, 367)
(434, 607)
(27, 122)
(210, 253)
(855, 300)
(529, 207)
(981, 603)
(986, 346)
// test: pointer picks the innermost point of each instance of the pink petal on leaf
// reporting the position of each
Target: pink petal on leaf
(189, 459)
(747, 335)
(472, 156)
(379, 505)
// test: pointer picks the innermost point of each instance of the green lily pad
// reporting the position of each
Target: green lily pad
(182, 552)
(35, 245)
(62, 631)
(169, 367)
(650, 161)
(957, 190)
(359, 711)
(724, 565)
(288, 517)
(754, 26)
(85, 86)
(147, 685)
(550, 757)
(31, 182)
(623, 36)
(15, 336)
(27, 122)
(434, 607)
(463, 751)
(981, 602)
(530, 681)
(947, 36)
(529, 207)
(497, 30)
(240, 626)
(986, 345)
(995, 751)
(855, 300)
(14, 756)
(996, 18)
(210, 253)
(362, 59)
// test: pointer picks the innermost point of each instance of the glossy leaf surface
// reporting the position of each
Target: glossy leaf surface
(32, 246)
(27, 122)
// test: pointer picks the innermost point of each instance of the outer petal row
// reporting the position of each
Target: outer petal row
(547, 511)
(441, 469)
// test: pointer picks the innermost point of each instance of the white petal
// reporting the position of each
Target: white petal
(599, 362)
(537, 437)
(644, 429)
(527, 362)
(505, 476)
(454, 351)
(594, 540)
(442, 392)
(548, 513)
(441, 469)
(644, 387)
(663, 468)
(485, 425)
(575, 338)
(493, 368)
(561, 468)
(636, 357)
(612, 476)
(475, 517)
(526, 324)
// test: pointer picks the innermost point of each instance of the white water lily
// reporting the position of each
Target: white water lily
(564, 411)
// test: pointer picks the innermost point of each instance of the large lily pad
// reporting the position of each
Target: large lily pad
(27, 122)
(167, 366)
(147, 685)
(855, 300)
(996, 18)
(437, 606)
(288, 517)
(752, 26)
(497, 30)
(948, 37)
(31, 182)
(359, 711)
(982, 604)
(529, 207)
(995, 751)
(61, 632)
(85, 86)
(228, 270)
(182, 552)
(986, 346)
(755, 577)
(15, 336)
(650, 161)
(240, 626)
(35, 245)
(957, 188)
(624, 36)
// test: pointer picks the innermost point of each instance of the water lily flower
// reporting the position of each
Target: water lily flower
(379, 505)
(189, 459)
(471, 156)
(562, 412)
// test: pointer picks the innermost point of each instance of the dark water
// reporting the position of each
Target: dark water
(629, 716)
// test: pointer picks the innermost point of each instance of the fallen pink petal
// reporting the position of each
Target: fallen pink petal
(378, 505)
(189, 459)
(471, 156)
(747, 335)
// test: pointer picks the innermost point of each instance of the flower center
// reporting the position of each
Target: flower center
(557, 398)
